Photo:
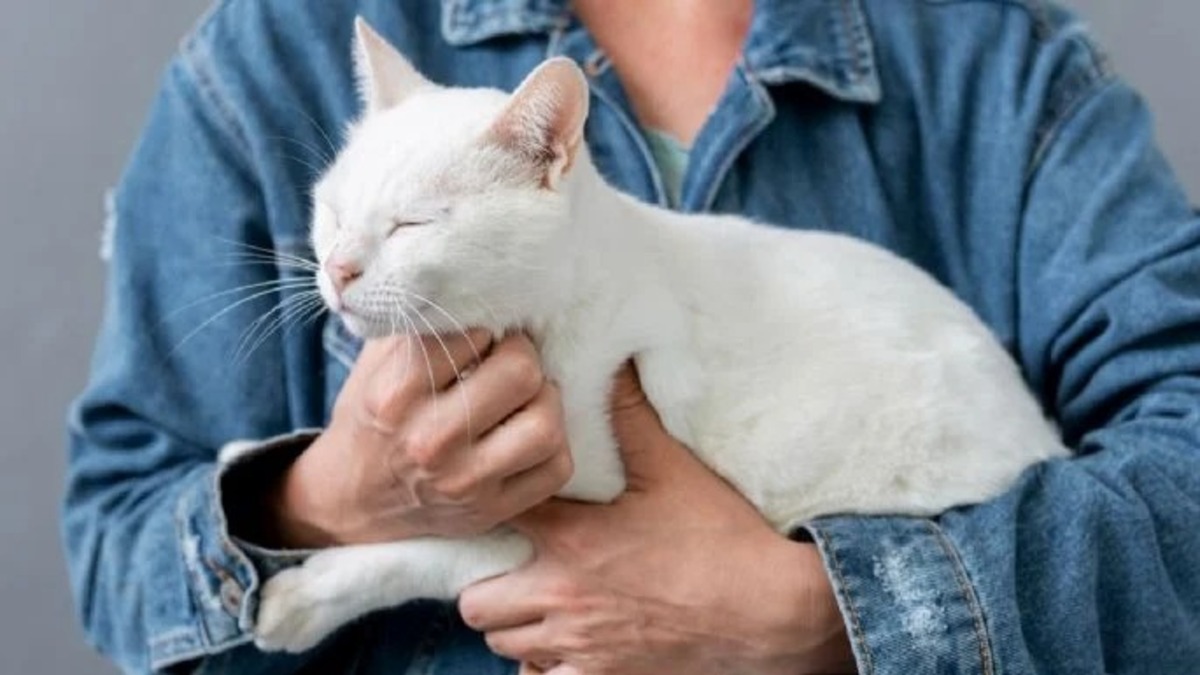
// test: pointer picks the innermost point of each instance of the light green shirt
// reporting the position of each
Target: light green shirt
(671, 156)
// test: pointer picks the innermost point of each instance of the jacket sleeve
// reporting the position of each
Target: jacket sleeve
(1089, 564)
(157, 579)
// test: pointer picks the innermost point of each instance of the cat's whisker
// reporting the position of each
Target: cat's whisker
(282, 323)
(313, 314)
(252, 329)
(287, 270)
(272, 285)
(416, 335)
(408, 350)
(277, 264)
(308, 309)
(449, 317)
(289, 307)
(315, 171)
(320, 130)
(250, 258)
(449, 358)
(220, 314)
(308, 301)
(408, 344)
(320, 154)
(265, 251)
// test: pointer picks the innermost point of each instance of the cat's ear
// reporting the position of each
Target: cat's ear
(385, 77)
(543, 122)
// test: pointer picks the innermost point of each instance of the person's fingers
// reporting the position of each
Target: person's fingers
(534, 486)
(441, 360)
(631, 413)
(525, 441)
(508, 380)
(504, 602)
(546, 668)
(530, 669)
(645, 445)
(626, 392)
(400, 371)
(528, 438)
(527, 643)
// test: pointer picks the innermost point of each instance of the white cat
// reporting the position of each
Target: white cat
(816, 373)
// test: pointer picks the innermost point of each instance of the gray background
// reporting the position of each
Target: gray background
(76, 77)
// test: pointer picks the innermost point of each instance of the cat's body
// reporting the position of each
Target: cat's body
(816, 373)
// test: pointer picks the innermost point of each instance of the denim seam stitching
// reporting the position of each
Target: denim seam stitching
(986, 661)
(194, 574)
(465, 25)
(860, 636)
(639, 141)
(195, 641)
(207, 87)
(1084, 88)
(759, 91)
(249, 575)
(170, 658)
(849, 37)
(208, 90)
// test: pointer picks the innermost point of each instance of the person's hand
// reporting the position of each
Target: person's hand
(679, 575)
(405, 455)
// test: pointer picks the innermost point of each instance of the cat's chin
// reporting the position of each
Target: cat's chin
(367, 329)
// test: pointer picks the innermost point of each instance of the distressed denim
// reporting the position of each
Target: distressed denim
(988, 141)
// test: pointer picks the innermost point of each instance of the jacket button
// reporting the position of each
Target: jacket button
(231, 596)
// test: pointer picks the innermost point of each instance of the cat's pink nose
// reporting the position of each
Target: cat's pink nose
(342, 273)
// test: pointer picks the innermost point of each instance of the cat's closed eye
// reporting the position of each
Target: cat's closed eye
(400, 223)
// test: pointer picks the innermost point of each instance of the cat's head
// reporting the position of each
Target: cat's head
(447, 201)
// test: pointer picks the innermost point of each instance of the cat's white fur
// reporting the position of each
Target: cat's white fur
(816, 373)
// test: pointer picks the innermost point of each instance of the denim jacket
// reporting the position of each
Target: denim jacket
(986, 140)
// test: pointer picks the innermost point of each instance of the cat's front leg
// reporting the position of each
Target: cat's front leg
(599, 473)
(300, 607)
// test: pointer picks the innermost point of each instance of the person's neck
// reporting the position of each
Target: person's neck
(671, 83)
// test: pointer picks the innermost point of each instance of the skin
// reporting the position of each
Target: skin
(672, 83)
(401, 458)
(680, 574)
(638, 586)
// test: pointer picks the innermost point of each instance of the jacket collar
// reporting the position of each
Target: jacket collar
(826, 43)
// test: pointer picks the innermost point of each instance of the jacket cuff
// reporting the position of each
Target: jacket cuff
(223, 574)
(905, 596)
(246, 468)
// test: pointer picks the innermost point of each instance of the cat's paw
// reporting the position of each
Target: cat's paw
(296, 611)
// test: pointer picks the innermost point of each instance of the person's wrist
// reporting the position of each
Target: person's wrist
(304, 505)
(299, 508)
(253, 492)
(808, 629)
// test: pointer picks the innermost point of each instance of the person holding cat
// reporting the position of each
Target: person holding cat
(1018, 170)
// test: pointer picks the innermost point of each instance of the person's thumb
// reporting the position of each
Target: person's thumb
(639, 432)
